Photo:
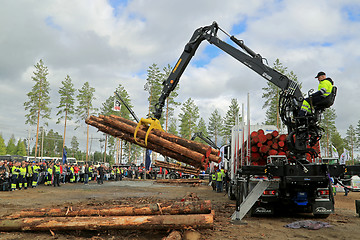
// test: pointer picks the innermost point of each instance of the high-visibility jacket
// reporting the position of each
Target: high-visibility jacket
(219, 176)
(57, 169)
(325, 87)
(213, 177)
(15, 170)
(36, 169)
(50, 171)
(29, 170)
(23, 171)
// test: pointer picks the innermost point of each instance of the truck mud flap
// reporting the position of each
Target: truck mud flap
(323, 208)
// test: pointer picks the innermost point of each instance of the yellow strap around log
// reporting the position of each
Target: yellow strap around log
(152, 123)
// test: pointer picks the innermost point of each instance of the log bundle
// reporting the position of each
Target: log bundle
(176, 167)
(190, 152)
(164, 216)
(263, 145)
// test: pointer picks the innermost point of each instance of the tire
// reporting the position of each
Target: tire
(231, 196)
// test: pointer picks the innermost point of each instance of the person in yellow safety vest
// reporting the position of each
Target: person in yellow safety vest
(36, 171)
(121, 173)
(56, 174)
(72, 174)
(29, 173)
(324, 89)
(117, 173)
(219, 178)
(49, 175)
(22, 176)
(90, 172)
(15, 171)
(213, 181)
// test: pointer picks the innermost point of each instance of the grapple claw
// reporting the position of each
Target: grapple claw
(152, 123)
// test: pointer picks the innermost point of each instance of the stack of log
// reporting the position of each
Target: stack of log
(190, 152)
(181, 181)
(262, 145)
(176, 167)
(164, 216)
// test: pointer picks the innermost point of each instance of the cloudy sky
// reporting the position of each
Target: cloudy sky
(113, 42)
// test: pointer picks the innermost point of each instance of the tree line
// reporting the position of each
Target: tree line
(78, 104)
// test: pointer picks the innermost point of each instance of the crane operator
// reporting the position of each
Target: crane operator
(324, 89)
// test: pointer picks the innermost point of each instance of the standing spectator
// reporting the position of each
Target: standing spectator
(82, 173)
(22, 176)
(15, 171)
(36, 172)
(86, 174)
(219, 179)
(101, 174)
(56, 173)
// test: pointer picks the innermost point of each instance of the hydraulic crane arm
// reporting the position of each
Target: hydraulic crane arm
(249, 58)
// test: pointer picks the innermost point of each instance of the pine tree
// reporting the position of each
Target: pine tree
(350, 141)
(39, 99)
(188, 118)
(357, 131)
(328, 124)
(170, 101)
(201, 127)
(2, 146)
(215, 125)
(173, 126)
(153, 87)
(85, 108)
(271, 95)
(74, 145)
(230, 120)
(11, 147)
(108, 109)
(66, 106)
(20, 148)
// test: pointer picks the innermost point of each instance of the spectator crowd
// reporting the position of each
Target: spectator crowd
(23, 175)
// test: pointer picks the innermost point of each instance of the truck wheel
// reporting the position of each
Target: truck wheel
(231, 195)
(172, 176)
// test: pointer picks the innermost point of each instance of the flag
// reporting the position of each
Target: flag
(64, 156)
(148, 159)
(335, 153)
(117, 105)
(344, 157)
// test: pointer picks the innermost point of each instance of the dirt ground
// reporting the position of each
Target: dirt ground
(345, 222)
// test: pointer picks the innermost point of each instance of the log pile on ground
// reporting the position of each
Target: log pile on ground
(183, 150)
(164, 216)
(262, 145)
(181, 181)
(176, 167)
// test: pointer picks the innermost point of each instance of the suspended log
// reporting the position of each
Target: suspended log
(130, 138)
(155, 222)
(156, 139)
(198, 207)
(193, 145)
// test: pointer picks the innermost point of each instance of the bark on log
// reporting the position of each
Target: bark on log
(176, 167)
(157, 222)
(199, 207)
(130, 138)
(188, 181)
(193, 145)
(156, 139)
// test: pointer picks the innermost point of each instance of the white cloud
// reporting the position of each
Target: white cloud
(91, 41)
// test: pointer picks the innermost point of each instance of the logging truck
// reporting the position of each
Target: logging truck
(293, 181)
